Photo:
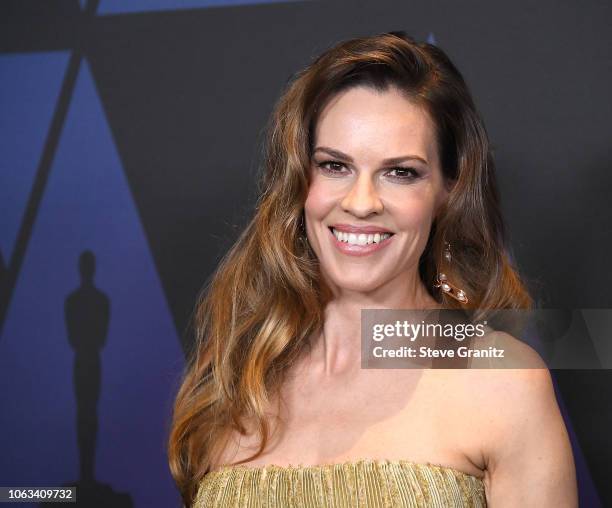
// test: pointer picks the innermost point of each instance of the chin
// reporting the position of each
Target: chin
(357, 284)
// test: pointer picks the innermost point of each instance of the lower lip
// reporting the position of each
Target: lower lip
(359, 250)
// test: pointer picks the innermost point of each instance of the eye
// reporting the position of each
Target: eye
(331, 167)
(403, 173)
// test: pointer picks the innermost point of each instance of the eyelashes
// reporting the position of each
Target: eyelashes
(404, 174)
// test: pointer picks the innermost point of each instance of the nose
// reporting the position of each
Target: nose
(362, 198)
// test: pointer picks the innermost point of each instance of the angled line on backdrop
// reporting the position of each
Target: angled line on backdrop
(13, 265)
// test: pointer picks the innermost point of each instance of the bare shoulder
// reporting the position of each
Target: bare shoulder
(510, 389)
(511, 394)
(510, 353)
(497, 398)
(524, 442)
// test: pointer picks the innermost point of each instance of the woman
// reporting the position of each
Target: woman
(378, 179)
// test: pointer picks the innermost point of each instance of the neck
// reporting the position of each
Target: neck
(336, 349)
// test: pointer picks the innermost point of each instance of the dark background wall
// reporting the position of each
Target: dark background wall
(130, 138)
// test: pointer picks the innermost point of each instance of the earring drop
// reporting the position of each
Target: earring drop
(447, 252)
(443, 283)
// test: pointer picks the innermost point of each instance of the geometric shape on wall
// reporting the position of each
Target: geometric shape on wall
(587, 492)
(118, 316)
(29, 88)
(121, 6)
(599, 324)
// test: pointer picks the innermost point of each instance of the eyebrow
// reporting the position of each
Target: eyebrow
(348, 158)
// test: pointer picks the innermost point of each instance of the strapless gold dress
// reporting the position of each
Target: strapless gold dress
(364, 483)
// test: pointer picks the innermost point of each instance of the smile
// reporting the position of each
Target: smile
(359, 244)
(359, 239)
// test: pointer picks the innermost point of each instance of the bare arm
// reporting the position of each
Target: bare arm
(529, 460)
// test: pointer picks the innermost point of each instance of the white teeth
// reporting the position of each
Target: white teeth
(361, 239)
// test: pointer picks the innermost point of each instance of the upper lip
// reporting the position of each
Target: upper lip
(349, 228)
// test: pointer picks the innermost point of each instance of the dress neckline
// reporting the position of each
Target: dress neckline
(348, 463)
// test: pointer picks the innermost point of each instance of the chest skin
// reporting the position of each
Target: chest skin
(421, 415)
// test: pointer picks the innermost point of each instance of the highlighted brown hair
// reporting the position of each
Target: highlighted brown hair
(267, 296)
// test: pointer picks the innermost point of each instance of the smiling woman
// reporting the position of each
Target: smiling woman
(376, 163)
(362, 194)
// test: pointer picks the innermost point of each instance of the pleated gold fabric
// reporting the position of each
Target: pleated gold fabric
(367, 483)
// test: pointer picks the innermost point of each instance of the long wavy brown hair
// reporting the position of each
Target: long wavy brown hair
(267, 295)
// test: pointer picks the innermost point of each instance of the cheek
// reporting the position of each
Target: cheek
(319, 201)
(414, 215)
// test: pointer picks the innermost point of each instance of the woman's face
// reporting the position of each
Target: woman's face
(358, 196)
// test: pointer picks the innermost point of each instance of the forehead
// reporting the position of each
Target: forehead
(370, 124)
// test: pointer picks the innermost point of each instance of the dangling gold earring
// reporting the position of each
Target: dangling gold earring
(443, 282)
